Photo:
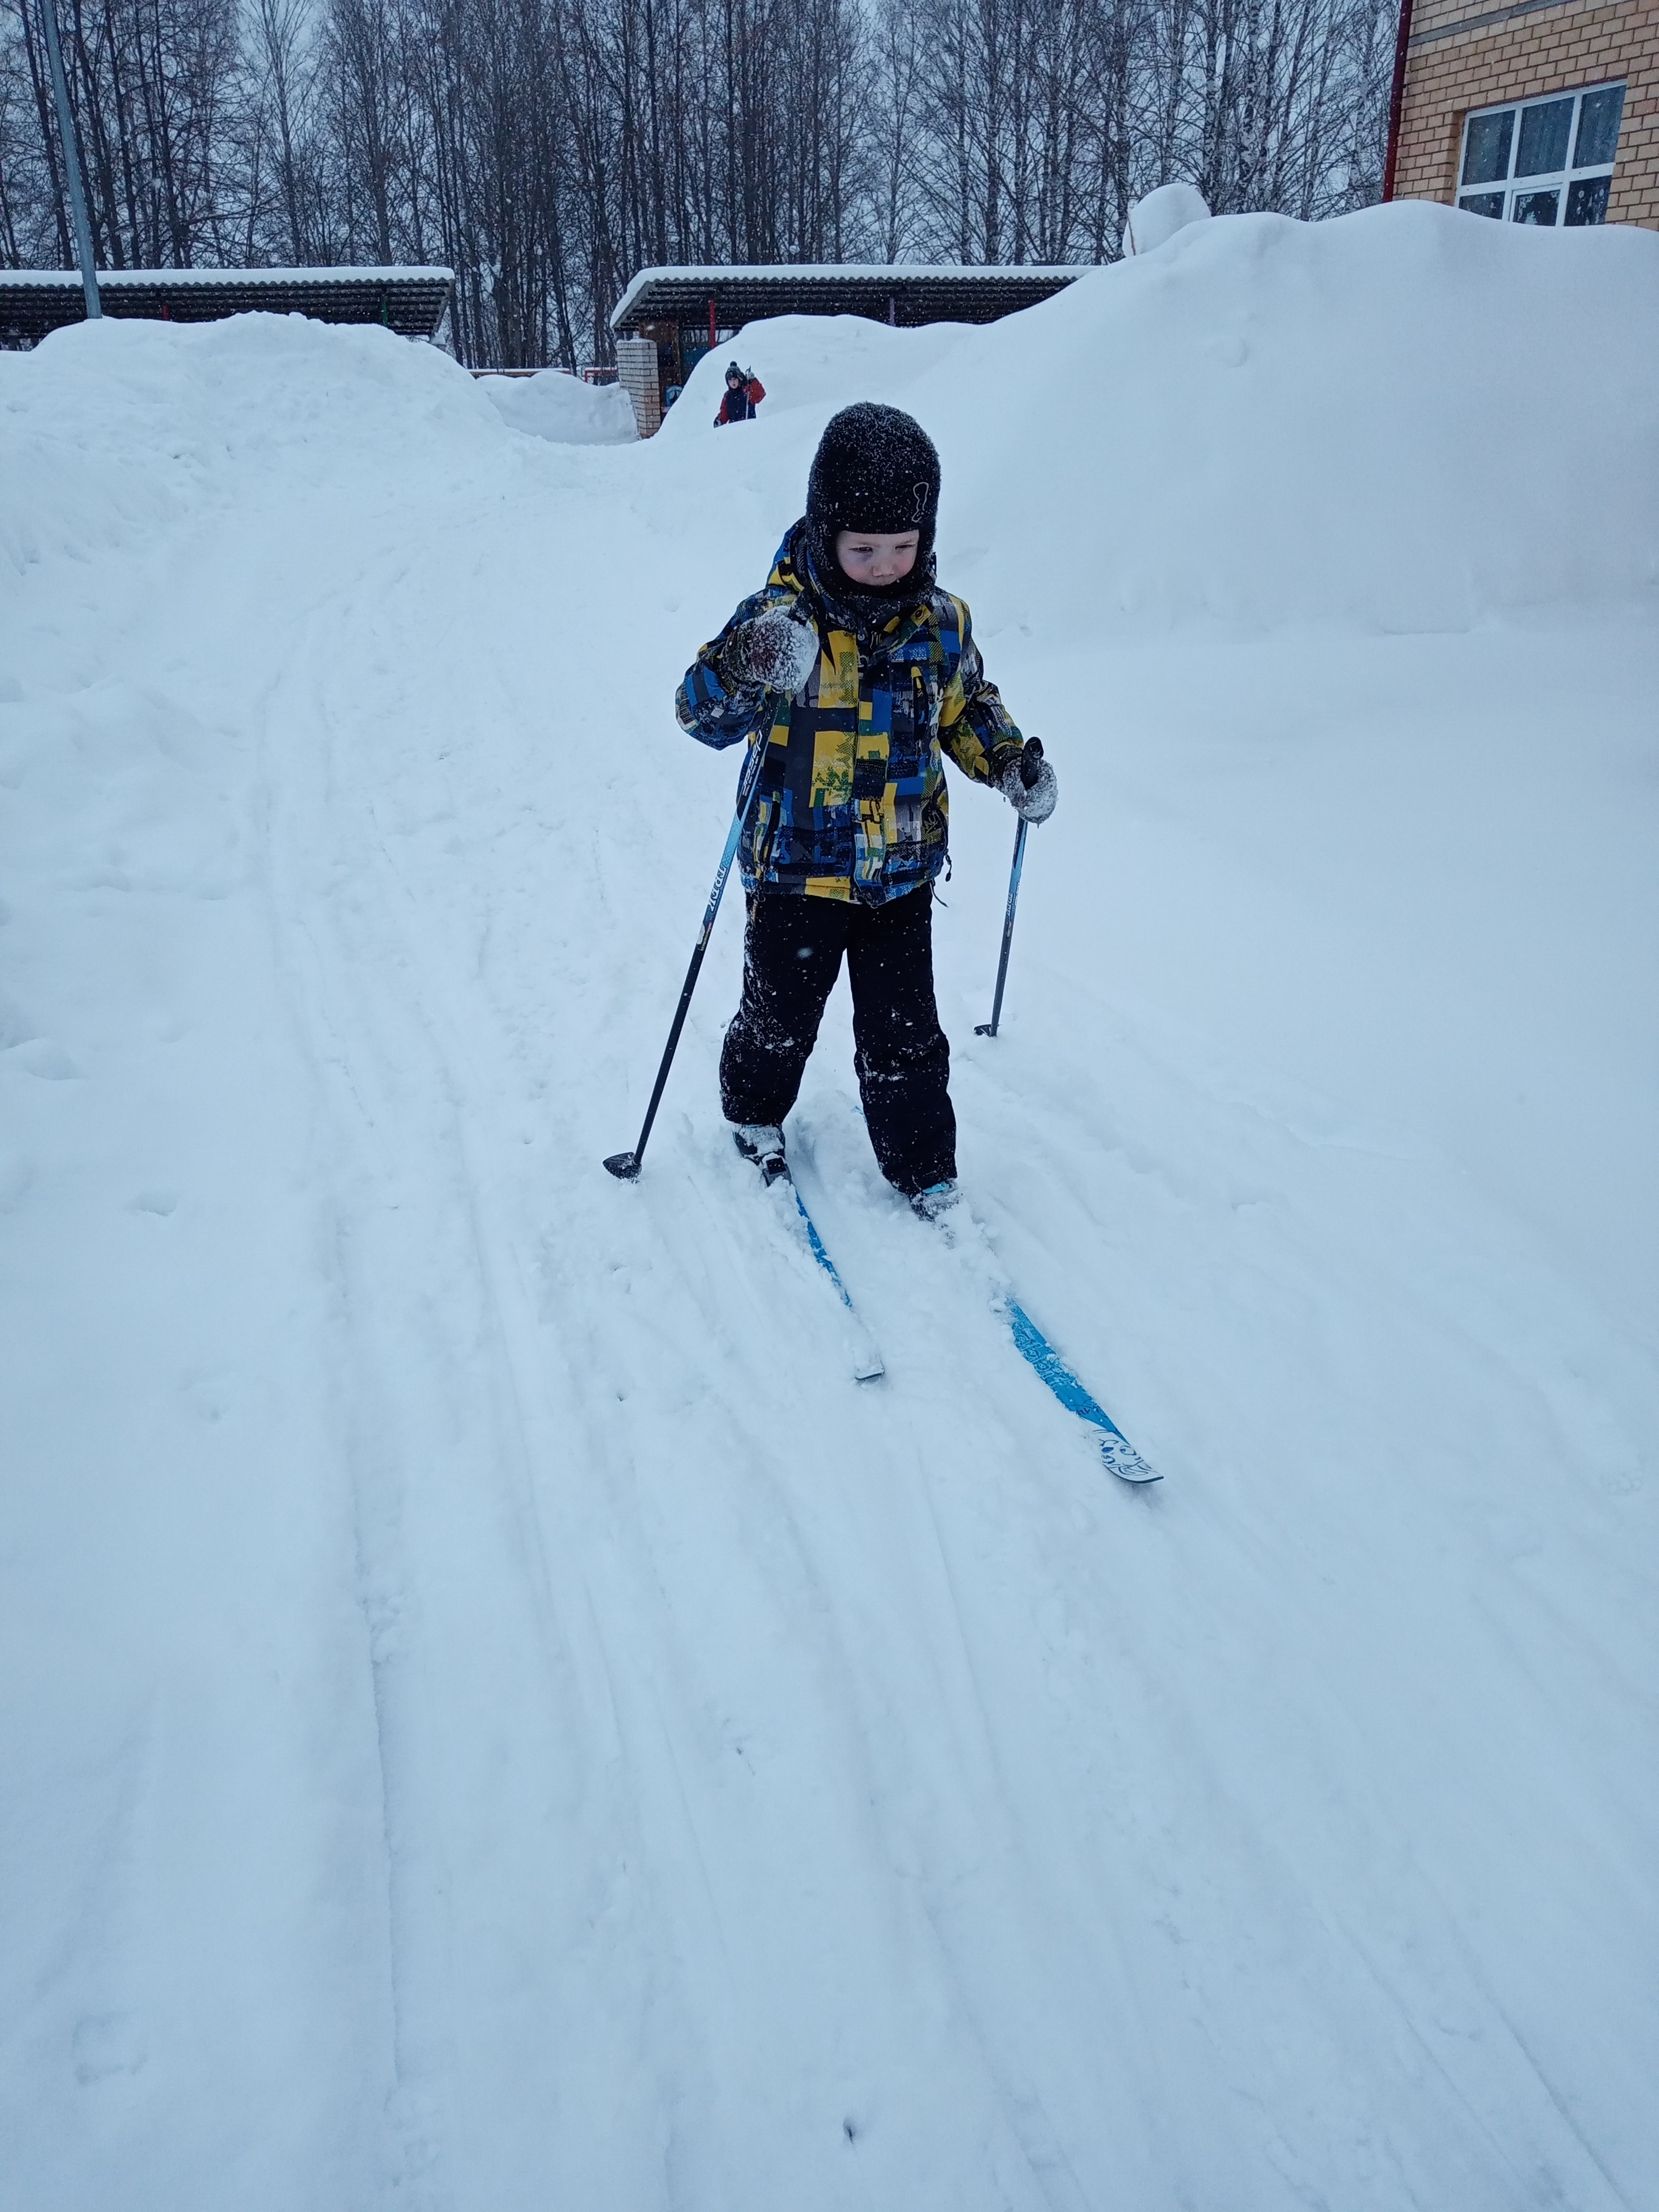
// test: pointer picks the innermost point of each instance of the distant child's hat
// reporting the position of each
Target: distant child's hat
(734, 375)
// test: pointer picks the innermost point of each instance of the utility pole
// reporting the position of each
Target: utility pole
(71, 145)
(1396, 95)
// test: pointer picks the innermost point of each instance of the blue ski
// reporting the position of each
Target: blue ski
(867, 1364)
(1119, 1454)
(1034, 1348)
(774, 1167)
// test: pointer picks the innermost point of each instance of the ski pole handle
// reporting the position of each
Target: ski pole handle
(1030, 762)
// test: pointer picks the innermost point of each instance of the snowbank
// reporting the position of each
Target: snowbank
(492, 1713)
(560, 407)
(819, 358)
(1393, 422)
(194, 419)
(1155, 220)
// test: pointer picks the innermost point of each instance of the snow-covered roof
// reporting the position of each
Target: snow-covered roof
(409, 301)
(905, 292)
(351, 273)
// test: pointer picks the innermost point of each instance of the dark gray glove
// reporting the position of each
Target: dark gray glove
(1029, 785)
(778, 651)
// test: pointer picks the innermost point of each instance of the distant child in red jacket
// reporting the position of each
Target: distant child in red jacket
(743, 394)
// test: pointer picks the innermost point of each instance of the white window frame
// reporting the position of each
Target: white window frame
(1558, 181)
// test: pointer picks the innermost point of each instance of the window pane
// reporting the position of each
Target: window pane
(1598, 128)
(1544, 138)
(1536, 207)
(1587, 200)
(1484, 203)
(1488, 154)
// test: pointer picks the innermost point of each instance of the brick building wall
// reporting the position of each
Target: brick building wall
(636, 373)
(1463, 56)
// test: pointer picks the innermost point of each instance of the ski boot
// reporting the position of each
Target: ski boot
(933, 1203)
(761, 1143)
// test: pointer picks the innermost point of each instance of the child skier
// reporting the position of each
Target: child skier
(743, 394)
(852, 667)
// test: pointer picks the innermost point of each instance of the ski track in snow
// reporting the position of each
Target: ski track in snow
(636, 1766)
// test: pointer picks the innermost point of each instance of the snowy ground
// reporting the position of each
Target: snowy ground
(494, 1719)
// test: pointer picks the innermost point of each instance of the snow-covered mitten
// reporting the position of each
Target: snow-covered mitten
(1029, 785)
(778, 651)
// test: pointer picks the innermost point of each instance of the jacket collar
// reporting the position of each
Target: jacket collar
(795, 569)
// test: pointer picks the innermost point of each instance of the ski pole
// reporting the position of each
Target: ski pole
(626, 1165)
(1029, 761)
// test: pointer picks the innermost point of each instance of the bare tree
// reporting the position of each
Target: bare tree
(547, 149)
(281, 73)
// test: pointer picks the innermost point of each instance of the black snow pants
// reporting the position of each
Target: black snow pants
(791, 955)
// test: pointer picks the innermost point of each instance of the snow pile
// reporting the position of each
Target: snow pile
(1394, 422)
(1155, 220)
(558, 406)
(493, 1714)
(176, 440)
(821, 359)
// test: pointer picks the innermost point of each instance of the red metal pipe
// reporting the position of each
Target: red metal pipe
(713, 339)
(1397, 96)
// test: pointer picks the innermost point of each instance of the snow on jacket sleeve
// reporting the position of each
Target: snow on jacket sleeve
(975, 727)
(715, 712)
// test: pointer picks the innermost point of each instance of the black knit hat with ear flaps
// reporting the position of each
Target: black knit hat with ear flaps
(875, 469)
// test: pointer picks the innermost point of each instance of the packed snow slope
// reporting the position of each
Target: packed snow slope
(494, 1717)
(559, 406)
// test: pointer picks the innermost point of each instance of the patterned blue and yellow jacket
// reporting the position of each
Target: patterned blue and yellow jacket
(851, 802)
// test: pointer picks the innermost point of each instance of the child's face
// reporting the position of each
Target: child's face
(868, 557)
